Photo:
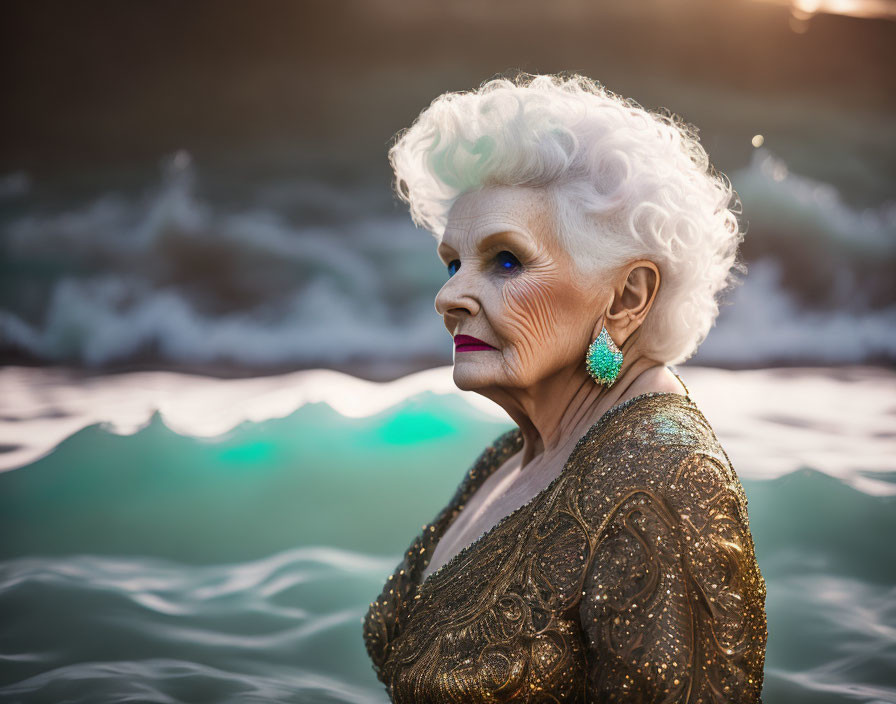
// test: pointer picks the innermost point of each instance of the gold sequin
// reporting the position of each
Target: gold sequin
(631, 577)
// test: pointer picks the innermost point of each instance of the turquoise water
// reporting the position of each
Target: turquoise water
(158, 567)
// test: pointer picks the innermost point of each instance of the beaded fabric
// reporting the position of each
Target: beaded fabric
(630, 578)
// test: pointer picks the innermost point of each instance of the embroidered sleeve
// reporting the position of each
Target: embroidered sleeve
(673, 605)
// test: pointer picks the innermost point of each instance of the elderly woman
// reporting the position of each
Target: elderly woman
(601, 550)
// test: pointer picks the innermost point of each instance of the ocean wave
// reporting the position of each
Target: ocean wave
(92, 628)
(154, 566)
(777, 200)
(806, 417)
(812, 612)
(171, 681)
(174, 277)
(761, 321)
(111, 319)
(229, 633)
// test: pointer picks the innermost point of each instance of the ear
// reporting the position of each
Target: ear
(633, 296)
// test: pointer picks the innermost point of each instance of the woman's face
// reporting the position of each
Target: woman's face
(513, 286)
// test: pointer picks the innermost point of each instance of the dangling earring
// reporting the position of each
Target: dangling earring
(603, 359)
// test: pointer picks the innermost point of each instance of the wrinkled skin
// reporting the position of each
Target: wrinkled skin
(541, 315)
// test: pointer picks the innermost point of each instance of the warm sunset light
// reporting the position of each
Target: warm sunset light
(884, 9)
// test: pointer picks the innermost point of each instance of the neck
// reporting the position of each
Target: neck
(556, 411)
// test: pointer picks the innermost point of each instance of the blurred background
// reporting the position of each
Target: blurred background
(223, 379)
(205, 185)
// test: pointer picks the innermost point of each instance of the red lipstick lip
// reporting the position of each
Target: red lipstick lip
(467, 343)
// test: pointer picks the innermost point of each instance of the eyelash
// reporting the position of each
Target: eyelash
(508, 259)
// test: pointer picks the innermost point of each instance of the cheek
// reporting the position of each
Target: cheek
(541, 316)
(531, 306)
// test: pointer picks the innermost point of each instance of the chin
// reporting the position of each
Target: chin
(470, 375)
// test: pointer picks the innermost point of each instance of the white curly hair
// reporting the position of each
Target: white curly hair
(624, 183)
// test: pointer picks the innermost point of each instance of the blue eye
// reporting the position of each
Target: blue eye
(507, 261)
(453, 266)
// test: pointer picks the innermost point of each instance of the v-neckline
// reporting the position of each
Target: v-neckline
(512, 437)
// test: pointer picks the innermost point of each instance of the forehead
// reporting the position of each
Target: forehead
(478, 213)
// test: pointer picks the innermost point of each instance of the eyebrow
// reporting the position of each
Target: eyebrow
(487, 241)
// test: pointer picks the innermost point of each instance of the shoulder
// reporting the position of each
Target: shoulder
(673, 600)
(659, 466)
(655, 445)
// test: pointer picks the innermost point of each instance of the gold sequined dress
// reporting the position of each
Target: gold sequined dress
(630, 578)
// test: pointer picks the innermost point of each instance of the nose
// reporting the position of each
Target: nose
(457, 297)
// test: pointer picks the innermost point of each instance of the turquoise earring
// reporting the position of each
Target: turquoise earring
(603, 359)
